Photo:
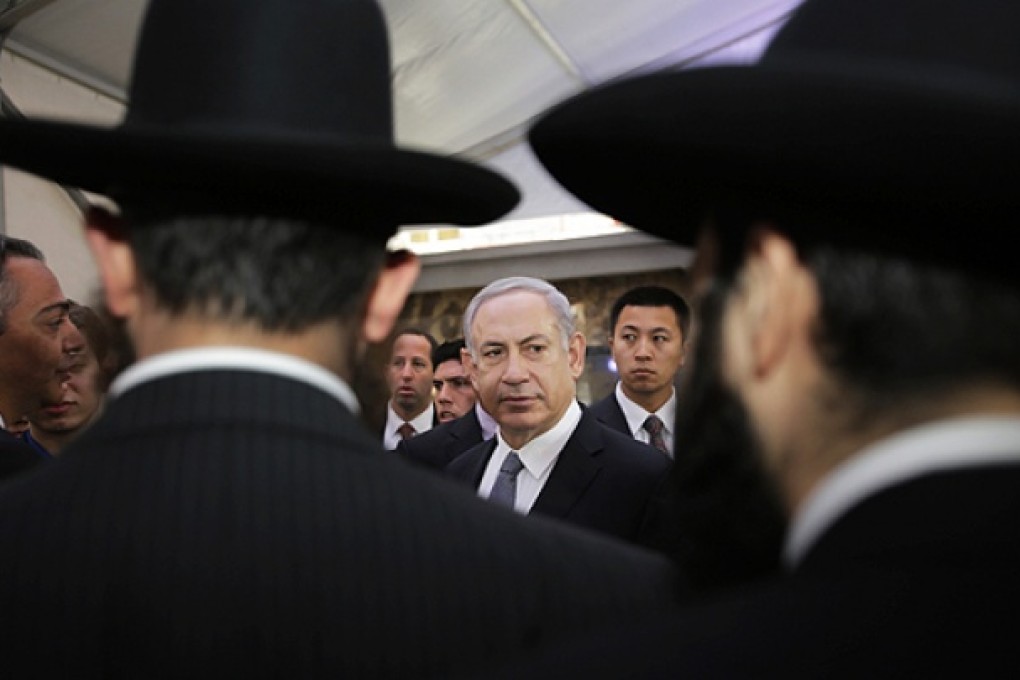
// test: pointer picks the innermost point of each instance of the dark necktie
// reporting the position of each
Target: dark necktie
(654, 427)
(504, 491)
(406, 431)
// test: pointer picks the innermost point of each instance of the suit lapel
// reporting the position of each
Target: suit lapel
(478, 464)
(574, 470)
(467, 428)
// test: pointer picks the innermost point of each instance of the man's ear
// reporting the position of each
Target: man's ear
(389, 293)
(576, 354)
(781, 299)
(106, 236)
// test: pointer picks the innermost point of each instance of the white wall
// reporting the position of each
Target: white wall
(38, 210)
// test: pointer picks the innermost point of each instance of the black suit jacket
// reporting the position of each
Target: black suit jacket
(601, 480)
(440, 445)
(608, 411)
(903, 585)
(240, 524)
(16, 456)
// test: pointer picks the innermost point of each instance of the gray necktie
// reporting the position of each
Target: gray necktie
(504, 491)
(654, 427)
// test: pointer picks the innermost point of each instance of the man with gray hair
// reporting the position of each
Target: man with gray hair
(549, 457)
(37, 343)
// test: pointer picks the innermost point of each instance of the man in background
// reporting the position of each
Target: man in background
(37, 344)
(451, 385)
(410, 410)
(465, 421)
(649, 327)
(549, 457)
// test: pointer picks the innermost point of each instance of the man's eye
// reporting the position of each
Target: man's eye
(437, 384)
(459, 383)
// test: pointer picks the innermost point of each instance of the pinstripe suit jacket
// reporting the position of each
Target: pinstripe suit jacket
(240, 524)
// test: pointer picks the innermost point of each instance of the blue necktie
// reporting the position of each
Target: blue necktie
(504, 491)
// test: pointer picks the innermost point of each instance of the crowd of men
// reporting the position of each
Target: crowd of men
(853, 398)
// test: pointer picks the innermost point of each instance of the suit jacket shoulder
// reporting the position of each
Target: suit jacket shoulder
(601, 480)
(241, 524)
(440, 445)
(16, 456)
(609, 413)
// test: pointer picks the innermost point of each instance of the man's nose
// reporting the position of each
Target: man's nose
(516, 371)
(73, 341)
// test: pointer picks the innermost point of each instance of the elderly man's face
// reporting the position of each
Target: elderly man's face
(36, 345)
(524, 376)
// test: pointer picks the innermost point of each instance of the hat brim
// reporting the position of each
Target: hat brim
(654, 150)
(293, 175)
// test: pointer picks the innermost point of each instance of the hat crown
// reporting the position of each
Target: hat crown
(932, 39)
(279, 67)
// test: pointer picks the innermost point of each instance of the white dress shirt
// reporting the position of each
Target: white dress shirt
(234, 358)
(488, 423)
(538, 456)
(421, 423)
(944, 445)
(636, 416)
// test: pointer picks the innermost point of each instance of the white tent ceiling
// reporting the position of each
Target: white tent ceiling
(469, 75)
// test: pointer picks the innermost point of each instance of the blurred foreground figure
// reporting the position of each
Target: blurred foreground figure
(856, 193)
(58, 422)
(228, 515)
(37, 346)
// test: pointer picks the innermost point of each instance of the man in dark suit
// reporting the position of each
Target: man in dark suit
(440, 445)
(228, 516)
(648, 331)
(854, 197)
(525, 357)
(37, 345)
(410, 410)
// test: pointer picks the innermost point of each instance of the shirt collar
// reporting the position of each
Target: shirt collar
(636, 415)
(234, 359)
(944, 445)
(421, 422)
(541, 452)
(488, 423)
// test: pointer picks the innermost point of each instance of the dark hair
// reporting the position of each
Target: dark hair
(12, 247)
(282, 274)
(410, 330)
(652, 296)
(447, 351)
(893, 326)
(101, 341)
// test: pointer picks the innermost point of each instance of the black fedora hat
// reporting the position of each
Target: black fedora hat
(285, 105)
(901, 114)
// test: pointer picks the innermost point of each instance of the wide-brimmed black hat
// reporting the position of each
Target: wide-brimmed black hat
(283, 106)
(902, 114)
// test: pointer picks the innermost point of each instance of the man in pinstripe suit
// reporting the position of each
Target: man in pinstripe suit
(229, 516)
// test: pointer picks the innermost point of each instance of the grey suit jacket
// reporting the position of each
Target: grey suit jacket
(241, 524)
(601, 480)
